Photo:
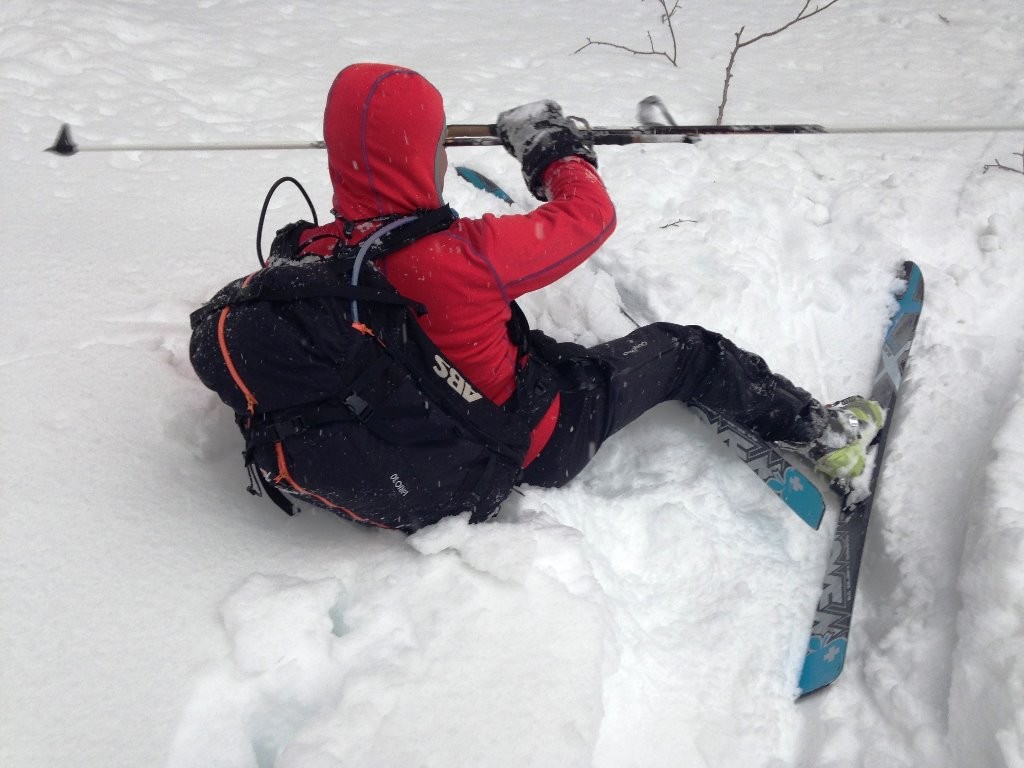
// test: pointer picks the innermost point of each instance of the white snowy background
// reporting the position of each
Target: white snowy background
(651, 614)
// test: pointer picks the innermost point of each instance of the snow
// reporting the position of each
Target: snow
(653, 613)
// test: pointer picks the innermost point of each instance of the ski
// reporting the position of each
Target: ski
(482, 182)
(826, 651)
(763, 458)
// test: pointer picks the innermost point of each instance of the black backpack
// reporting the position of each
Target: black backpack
(343, 401)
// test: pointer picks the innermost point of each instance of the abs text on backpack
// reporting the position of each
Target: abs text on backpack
(344, 402)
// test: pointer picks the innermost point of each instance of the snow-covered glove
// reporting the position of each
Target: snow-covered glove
(537, 134)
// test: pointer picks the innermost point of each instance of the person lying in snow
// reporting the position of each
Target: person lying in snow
(384, 128)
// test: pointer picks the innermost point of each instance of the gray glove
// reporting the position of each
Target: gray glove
(537, 134)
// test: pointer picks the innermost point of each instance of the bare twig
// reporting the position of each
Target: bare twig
(740, 43)
(728, 76)
(666, 19)
(998, 164)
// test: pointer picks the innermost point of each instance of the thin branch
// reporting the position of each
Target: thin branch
(744, 43)
(799, 17)
(728, 77)
(998, 164)
(651, 52)
(666, 18)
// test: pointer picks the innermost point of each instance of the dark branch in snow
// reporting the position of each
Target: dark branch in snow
(740, 43)
(666, 19)
(998, 164)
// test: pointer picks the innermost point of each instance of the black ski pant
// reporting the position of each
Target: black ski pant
(604, 388)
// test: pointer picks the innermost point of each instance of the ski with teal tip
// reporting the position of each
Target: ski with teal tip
(830, 634)
(480, 181)
(763, 458)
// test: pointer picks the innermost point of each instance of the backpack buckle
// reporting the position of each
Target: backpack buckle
(359, 407)
(290, 427)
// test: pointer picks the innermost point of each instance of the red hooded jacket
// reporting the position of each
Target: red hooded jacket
(384, 127)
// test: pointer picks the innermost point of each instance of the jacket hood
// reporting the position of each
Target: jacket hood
(384, 128)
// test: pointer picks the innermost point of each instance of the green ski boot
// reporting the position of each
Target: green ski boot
(840, 451)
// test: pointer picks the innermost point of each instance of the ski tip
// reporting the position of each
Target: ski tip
(803, 695)
(63, 145)
(822, 665)
(481, 182)
(914, 278)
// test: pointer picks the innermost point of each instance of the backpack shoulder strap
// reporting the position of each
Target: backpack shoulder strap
(295, 282)
(285, 246)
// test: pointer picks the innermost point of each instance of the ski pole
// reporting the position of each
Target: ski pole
(485, 135)
(66, 146)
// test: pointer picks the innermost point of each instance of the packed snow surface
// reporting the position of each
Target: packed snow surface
(653, 613)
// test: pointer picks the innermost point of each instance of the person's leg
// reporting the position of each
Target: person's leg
(612, 384)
